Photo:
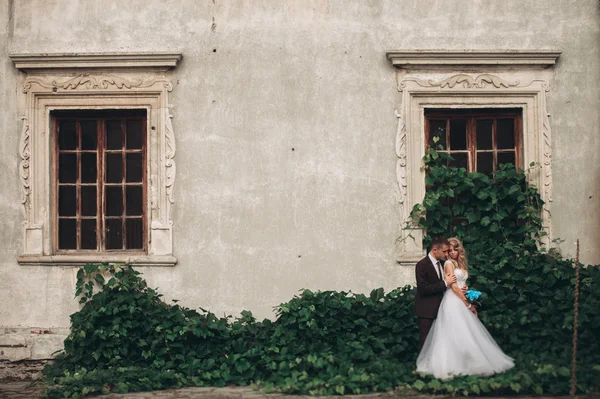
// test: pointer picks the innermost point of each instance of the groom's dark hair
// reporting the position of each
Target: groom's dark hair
(438, 242)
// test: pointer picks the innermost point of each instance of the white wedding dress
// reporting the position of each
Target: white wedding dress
(458, 343)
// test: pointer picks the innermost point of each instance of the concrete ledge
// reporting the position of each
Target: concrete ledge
(41, 61)
(425, 58)
(80, 260)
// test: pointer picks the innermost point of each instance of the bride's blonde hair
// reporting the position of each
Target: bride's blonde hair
(461, 262)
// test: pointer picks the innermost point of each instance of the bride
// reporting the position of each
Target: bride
(458, 343)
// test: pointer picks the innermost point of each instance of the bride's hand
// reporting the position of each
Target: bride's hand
(473, 309)
(464, 289)
(450, 279)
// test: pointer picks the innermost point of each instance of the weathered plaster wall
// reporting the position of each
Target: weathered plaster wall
(285, 126)
(30, 297)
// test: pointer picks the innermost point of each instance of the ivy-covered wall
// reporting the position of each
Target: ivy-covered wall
(126, 338)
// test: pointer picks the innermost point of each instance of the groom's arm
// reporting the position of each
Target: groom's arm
(424, 287)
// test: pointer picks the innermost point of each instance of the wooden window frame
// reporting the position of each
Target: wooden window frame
(101, 117)
(472, 116)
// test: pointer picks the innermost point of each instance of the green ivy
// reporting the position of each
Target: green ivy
(126, 338)
(528, 293)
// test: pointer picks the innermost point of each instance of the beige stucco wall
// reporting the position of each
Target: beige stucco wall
(285, 126)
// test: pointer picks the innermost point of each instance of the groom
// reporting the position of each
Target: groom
(431, 285)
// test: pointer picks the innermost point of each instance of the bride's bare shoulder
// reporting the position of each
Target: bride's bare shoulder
(450, 263)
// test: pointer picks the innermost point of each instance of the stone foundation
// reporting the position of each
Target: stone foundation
(24, 370)
(18, 344)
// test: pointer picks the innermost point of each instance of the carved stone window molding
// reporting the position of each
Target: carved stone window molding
(32, 62)
(430, 58)
(470, 85)
(95, 82)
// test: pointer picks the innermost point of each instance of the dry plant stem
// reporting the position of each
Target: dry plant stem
(575, 323)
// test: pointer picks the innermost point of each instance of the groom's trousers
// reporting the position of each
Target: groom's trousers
(424, 327)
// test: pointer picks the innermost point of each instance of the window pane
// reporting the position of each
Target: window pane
(67, 201)
(89, 135)
(458, 134)
(506, 157)
(505, 133)
(134, 167)
(114, 135)
(437, 128)
(134, 228)
(88, 233)
(485, 162)
(67, 234)
(67, 135)
(461, 160)
(113, 200)
(114, 168)
(88, 200)
(484, 134)
(134, 134)
(88, 167)
(114, 234)
(81, 189)
(67, 168)
(134, 200)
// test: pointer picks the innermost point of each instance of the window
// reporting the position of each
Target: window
(97, 158)
(471, 99)
(100, 181)
(478, 140)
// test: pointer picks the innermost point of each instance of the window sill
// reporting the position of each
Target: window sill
(80, 260)
(409, 259)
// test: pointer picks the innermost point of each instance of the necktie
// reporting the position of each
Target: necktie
(441, 274)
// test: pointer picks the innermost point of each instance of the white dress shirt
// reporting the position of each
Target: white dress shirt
(435, 266)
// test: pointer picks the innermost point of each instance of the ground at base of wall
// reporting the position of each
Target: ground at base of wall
(24, 370)
(31, 390)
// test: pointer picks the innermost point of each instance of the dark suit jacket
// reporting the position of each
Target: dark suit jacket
(430, 289)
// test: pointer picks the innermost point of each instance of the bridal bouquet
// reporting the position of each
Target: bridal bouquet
(473, 295)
